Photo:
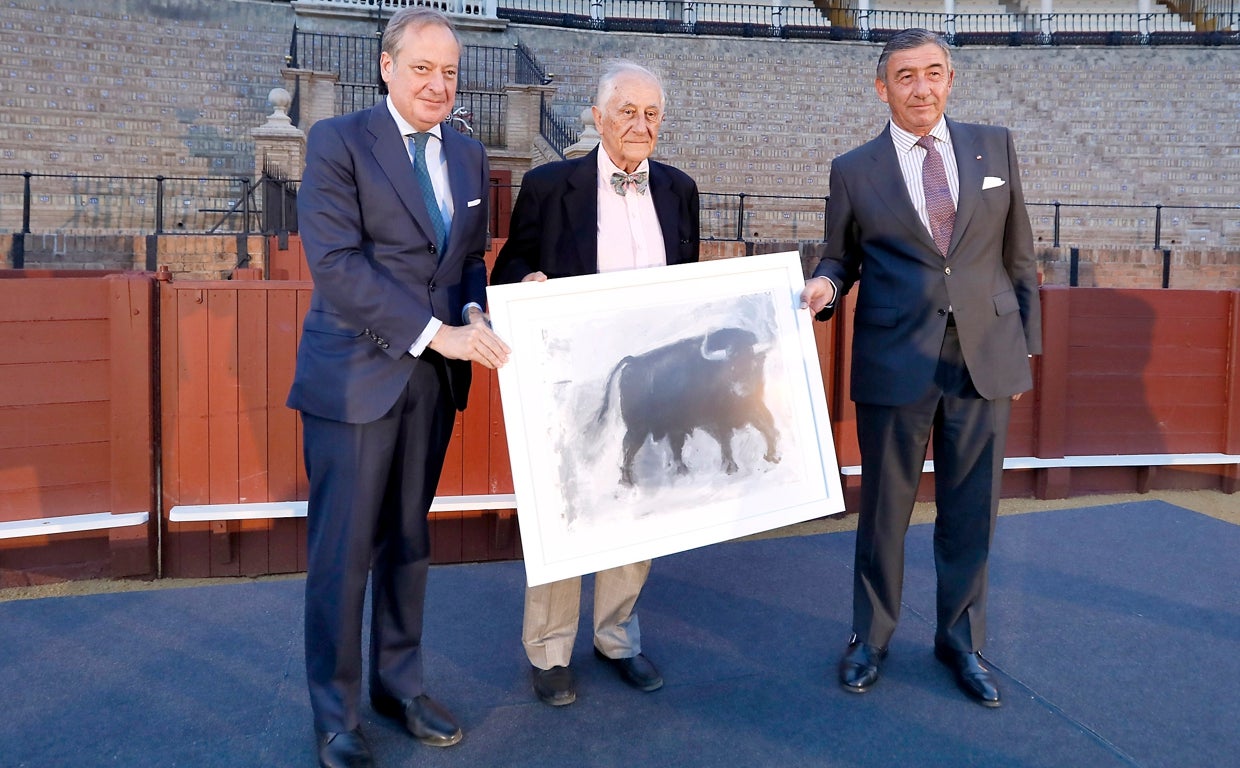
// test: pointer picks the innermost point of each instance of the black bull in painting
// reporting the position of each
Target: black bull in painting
(712, 382)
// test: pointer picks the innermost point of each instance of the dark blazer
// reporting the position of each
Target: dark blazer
(988, 278)
(554, 226)
(378, 278)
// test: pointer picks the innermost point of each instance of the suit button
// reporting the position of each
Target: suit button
(942, 312)
(431, 286)
(947, 271)
(431, 248)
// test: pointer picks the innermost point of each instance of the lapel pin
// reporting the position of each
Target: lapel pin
(979, 157)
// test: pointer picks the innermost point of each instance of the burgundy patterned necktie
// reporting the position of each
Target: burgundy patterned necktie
(938, 195)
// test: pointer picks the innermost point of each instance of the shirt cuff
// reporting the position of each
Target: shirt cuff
(420, 344)
(835, 295)
(469, 306)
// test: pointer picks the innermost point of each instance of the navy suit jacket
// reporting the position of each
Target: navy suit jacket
(988, 278)
(554, 226)
(378, 276)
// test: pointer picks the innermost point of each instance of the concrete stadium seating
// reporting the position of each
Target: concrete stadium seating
(120, 90)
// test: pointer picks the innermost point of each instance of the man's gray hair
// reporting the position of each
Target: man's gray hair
(614, 70)
(412, 17)
(907, 40)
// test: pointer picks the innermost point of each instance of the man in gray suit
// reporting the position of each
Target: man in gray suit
(930, 218)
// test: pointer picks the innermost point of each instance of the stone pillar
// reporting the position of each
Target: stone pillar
(278, 142)
(523, 117)
(316, 94)
(589, 138)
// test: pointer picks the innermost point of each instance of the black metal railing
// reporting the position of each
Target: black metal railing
(74, 203)
(50, 203)
(1211, 22)
(485, 73)
(560, 132)
(355, 59)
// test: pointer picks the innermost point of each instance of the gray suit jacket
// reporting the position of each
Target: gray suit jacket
(988, 278)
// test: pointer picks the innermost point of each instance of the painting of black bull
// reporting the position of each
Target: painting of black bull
(712, 382)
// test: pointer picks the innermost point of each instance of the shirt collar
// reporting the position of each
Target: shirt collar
(905, 141)
(606, 168)
(405, 127)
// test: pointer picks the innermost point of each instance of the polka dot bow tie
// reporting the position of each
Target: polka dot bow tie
(620, 180)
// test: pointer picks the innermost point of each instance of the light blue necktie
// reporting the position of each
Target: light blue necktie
(417, 143)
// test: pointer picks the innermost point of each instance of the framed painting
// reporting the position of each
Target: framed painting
(656, 410)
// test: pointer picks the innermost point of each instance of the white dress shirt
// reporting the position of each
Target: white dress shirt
(911, 158)
(437, 167)
(629, 235)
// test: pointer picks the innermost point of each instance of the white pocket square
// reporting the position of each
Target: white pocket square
(990, 182)
(472, 203)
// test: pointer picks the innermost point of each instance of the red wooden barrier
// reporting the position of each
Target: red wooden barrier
(1123, 372)
(75, 422)
(228, 351)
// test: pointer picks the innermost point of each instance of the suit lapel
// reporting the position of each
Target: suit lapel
(581, 210)
(666, 208)
(461, 178)
(887, 181)
(392, 155)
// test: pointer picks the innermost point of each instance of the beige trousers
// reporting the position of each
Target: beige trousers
(552, 611)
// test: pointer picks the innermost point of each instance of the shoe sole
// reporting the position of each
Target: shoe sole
(397, 715)
(437, 741)
(562, 701)
(857, 689)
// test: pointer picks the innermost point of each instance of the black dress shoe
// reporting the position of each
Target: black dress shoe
(554, 686)
(860, 666)
(637, 671)
(971, 675)
(423, 717)
(343, 750)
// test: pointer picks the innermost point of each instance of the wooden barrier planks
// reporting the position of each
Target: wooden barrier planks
(75, 420)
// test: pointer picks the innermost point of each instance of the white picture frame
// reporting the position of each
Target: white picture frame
(601, 359)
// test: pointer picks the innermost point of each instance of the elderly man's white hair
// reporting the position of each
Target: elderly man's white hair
(619, 67)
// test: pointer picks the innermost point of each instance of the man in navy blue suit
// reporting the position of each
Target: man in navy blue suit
(393, 217)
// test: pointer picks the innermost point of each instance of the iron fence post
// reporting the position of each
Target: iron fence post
(1056, 235)
(826, 200)
(159, 205)
(1157, 226)
(245, 205)
(26, 202)
(740, 218)
(17, 251)
(243, 239)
